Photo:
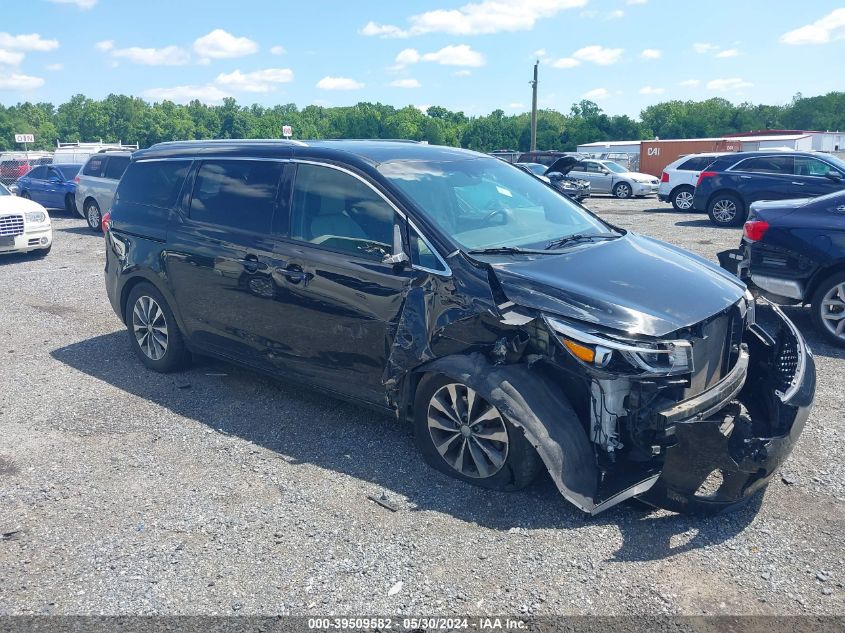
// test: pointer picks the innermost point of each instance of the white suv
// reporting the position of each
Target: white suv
(24, 225)
(677, 184)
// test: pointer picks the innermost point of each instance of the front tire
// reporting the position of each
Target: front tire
(682, 198)
(622, 190)
(828, 306)
(462, 435)
(93, 216)
(726, 209)
(153, 332)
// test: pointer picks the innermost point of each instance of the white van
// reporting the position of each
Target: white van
(81, 152)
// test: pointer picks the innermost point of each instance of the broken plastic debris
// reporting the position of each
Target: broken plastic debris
(383, 501)
(395, 589)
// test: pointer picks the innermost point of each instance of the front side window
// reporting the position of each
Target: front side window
(591, 168)
(115, 167)
(239, 194)
(154, 183)
(806, 166)
(482, 203)
(67, 172)
(336, 210)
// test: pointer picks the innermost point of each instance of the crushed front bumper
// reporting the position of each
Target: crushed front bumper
(720, 459)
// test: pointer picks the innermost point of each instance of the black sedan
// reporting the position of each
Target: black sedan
(793, 251)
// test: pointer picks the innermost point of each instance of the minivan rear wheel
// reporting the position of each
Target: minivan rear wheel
(153, 332)
(461, 434)
(726, 209)
(93, 216)
(828, 305)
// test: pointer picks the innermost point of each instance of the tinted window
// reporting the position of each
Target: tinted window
(236, 193)
(115, 166)
(695, 164)
(768, 165)
(39, 173)
(339, 211)
(94, 167)
(806, 166)
(68, 172)
(154, 183)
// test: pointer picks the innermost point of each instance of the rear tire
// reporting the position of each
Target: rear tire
(622, 190)
(726, 209)
(828, 309)
(682, 198)
(479, 446)
(93, 216)
(153, 332)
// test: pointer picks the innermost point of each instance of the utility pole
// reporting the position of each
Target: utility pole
(534, 108)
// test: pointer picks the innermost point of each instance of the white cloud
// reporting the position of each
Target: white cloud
(18, 81)
(565, 62)
(704, 47)
(105, 45)
(167, 56)
(28, 42)
(728, 52)
(406, 83)
(220, 44)
(55, 67)
(256, 81)
(649, 90)
(618, 14)
(183, 94)
(690, 83)
(598, 55)
(728, 85)
(830, 27)
(651, 53)
(423, 107)
(10, 58)
(82, 4)
(516, 106)
(476, 18)
(278, 50)
(339, 83)
(462, 73)
(596, 94)
(460, 55)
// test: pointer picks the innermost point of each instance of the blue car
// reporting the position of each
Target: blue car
(52, 186)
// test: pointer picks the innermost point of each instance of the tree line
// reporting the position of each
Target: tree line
(133, 120)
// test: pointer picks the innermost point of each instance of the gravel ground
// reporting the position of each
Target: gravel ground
(219, 491)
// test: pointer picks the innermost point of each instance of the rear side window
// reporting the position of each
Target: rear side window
(94, 167)
(154, 183)
(239, 194)
(768, 165)
(695, 164)
(39, 173)
(115, 167)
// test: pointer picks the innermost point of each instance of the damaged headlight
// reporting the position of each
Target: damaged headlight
(661, 358)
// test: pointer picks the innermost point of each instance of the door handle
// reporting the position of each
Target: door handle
(800, 184)
(746, 177)
(251, 264)
(294, 274)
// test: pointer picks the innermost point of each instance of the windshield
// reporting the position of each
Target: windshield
(537, 168)
(615, 167)
(838, 162)
(484, 203)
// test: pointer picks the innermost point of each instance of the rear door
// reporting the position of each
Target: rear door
(106, 186)
(769, 177)
(221, 260)
(54, 188)
(591, 171)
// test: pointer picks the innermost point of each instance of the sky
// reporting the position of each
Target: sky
(475, 57)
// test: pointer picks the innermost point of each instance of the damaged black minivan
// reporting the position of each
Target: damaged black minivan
(510, 326)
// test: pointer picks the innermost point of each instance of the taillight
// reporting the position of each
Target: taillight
(106, 223)
(754, 230)
(664, 177)
(705, 174)
(76, 180)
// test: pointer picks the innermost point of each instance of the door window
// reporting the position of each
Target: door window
(768, 165)
(94, 167)
(697, 163)
(338, 211)
(239, 194)
(154, 183)
(592, 168)
(39, 173)
(115, 167)
(806, 166)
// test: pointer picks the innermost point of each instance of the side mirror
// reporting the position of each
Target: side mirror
(399, 257)
(834, 175)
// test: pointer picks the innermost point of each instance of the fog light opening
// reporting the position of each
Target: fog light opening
(43, 240)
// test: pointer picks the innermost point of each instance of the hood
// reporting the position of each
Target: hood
(640, 177)
(562, 165)
(14, 204)
(632, 284)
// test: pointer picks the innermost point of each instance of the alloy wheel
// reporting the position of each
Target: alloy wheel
(623, 191)
(468, 432)
(150, 328)
(833, 310)
(93, 216)
(724, 211)
(683, 200)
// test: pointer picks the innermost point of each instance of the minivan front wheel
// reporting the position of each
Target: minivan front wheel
(153, 332)
(93, 216)
(461, 434)
(726, 210)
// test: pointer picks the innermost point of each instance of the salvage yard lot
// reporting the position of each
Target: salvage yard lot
(218, 490)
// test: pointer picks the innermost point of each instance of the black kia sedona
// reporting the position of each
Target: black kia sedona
(511, 327)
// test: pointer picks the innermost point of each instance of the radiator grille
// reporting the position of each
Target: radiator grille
(11, 225)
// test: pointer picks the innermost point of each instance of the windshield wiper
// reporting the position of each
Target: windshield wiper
(578, 237)
(504, 250)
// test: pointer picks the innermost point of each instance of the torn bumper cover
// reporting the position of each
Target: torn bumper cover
(720, 459)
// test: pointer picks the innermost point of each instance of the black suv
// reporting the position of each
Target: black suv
(733, 182)
(514, 329)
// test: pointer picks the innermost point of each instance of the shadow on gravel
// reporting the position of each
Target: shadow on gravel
(17, 258)
(305, 426)
(80, 230)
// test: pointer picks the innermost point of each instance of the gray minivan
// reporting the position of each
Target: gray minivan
(97, 183)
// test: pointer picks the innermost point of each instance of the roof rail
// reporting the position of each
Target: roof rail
(93, 144)
(225, 141)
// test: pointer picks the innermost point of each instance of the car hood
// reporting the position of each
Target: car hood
(639, 177)
(14, 204)
(633, 284)
(562, 165)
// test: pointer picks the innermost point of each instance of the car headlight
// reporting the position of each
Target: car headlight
(36, 217)
(660, 358)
